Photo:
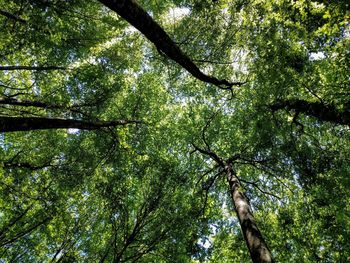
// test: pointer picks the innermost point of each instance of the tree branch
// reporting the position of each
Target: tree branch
(11, 124)
(211, 154)
(141, 20)
(12, 16)
(258, 187)
(318, 110)
(25, 232)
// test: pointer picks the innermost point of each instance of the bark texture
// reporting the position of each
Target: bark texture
(318, 110)
(258, 249)
(141, 20)
(12, 124)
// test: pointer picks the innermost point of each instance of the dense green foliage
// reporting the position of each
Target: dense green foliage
(140, 192)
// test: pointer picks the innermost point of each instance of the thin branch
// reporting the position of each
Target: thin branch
(25, 232)
(29, 166)
(14, 221)
(206, 173)
(207, 188)
(12, 16)
(212, 155)
(258, 187)
(205, 128)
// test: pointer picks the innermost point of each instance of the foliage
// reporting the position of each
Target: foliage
(141, 192)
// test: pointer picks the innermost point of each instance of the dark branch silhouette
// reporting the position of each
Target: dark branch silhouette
(11, 124)
(12, 16)
(141, 20)
(24, 232)
(318, 110)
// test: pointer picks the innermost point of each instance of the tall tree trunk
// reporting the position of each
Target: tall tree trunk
(141, 20)
(258, 249)
(318, 110)
(11, 124)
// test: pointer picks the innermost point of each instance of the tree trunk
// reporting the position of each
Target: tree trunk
(141, 20)
(318, 110)
(11, 124)
(258, 249)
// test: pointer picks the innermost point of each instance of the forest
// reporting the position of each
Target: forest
(175, 131)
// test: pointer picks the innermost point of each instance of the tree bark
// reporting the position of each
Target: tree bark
(11, 124)
(316, 109)
(258, 249)
(141, 20)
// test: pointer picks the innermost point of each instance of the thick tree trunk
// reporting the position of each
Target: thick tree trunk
(316, 109)
(141, 20)
(11, 124)
(258, 249)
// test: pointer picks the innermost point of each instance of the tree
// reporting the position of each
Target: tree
(254, 96)
(255, 242)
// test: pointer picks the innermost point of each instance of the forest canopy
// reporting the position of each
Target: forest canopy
(174, 131)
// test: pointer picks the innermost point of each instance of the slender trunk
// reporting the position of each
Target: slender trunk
(11, 124)
(318, 110)
(141, 20)
(258, 249)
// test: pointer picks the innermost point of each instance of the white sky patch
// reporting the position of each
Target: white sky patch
(73, 131)
(347, 31)
(317, 56)
(205, 243)
(238, 56)
(131, 30)
(180, 12)
(176, 14)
